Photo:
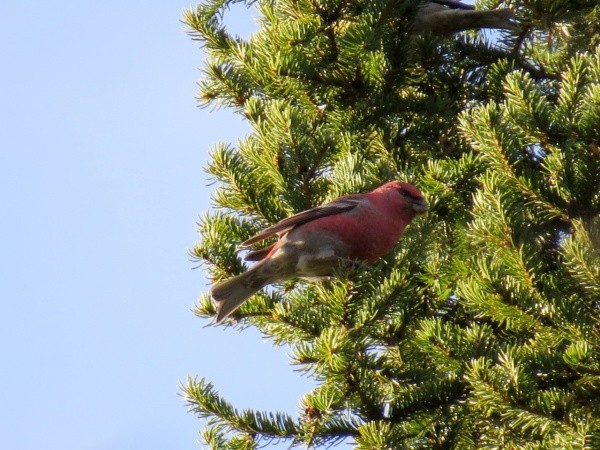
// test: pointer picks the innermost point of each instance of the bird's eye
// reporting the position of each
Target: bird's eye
(404, 192)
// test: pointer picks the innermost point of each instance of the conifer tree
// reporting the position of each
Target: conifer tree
(482, 328)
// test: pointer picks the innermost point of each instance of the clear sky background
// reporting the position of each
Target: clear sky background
(102, 149)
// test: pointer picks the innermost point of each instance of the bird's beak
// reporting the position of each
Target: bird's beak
(420, 206)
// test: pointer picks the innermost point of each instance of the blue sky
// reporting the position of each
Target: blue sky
(102, 149)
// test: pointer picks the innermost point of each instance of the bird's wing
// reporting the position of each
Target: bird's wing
(454, 4)
(338, 206)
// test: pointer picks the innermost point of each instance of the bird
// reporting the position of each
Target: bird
(445, 17)
(353, 229)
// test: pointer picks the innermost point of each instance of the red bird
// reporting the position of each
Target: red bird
(352, 228)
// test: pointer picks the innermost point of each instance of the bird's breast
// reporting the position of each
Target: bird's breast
(364, 238)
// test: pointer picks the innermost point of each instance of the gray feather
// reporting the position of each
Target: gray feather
(230, 294)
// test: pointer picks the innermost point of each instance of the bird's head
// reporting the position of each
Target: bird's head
(405, 194)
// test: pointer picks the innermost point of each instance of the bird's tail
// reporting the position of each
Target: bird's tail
(230, 294)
